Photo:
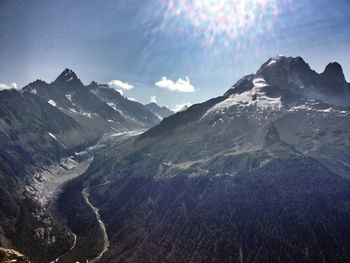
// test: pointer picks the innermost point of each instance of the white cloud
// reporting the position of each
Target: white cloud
(132, 99)
(180, 107)
(153, 99)
(117, 84)
(4, 86)
(180, 85)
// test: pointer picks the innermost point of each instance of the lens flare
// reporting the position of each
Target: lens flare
(224, 19)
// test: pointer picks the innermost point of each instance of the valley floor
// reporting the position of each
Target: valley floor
(56, 189)
(85, 194)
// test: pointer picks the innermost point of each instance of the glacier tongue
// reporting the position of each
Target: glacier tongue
(45, 184)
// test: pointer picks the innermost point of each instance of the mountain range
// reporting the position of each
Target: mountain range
(95, 104)
(43, 127)
(259, 174)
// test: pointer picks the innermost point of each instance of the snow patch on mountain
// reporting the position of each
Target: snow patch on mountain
(33, 91)
(86, 114)
(271, 63)
(316, 106)
(52, 102)
(254, 97)
(125, 115)
(259, 83)
(182, 107)
(52, 136)
(300, 107)
(112, 105)
(158, 116)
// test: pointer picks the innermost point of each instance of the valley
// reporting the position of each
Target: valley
(108, 141)
(179, 131)
(85, 194)
(49, 136)
(51, 181)
(265, 165)
(191, 191)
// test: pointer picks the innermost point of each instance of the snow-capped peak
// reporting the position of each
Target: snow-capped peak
(254, 97)
(288, 79)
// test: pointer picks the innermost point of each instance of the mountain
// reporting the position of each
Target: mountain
(294, 78)
(260, 174)
(69, 94)
(46, 131)
(184, 108)
(128, 109)
(35, 140)
(160, 112)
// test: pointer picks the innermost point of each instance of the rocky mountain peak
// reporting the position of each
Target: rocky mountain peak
(334, 73)
(279, 67)
(67, 76)
(291, 78)
(93, 85)
(161, 112)
(39, 82)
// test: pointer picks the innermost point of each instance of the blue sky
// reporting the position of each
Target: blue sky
(141, 41)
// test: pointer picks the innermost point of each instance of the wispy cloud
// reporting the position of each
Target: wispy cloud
(180, 85)
(153, 99)
(183, 106)
(118, 84)
(4, 86)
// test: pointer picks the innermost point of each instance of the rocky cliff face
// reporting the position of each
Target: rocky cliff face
(132, 110)
(10, 255)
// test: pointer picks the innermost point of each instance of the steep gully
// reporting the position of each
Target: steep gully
(109, 140)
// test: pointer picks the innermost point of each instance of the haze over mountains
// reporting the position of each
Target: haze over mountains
(259, 174)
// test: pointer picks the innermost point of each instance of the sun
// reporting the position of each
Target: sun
(230, 19)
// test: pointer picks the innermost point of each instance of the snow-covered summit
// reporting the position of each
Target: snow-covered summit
(292, 77)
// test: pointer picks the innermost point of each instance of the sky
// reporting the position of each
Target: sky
(173, 52)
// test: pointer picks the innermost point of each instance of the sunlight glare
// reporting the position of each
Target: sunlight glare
(224, 18)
